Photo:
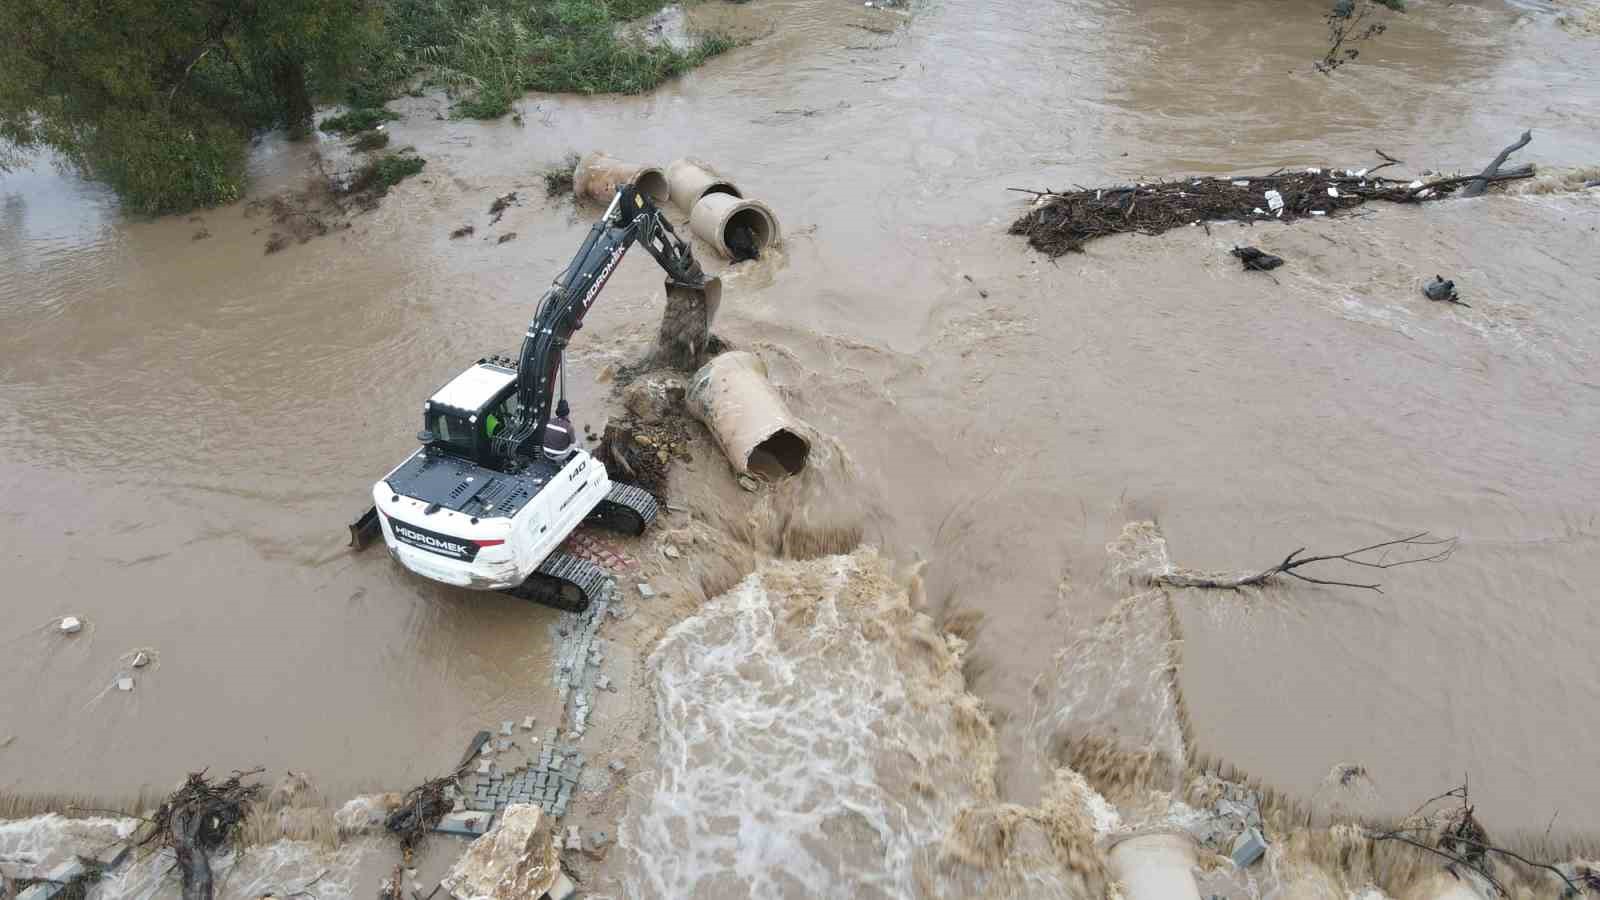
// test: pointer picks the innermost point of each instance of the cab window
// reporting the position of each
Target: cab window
(452, 433)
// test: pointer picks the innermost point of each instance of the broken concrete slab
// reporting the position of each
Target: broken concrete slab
(1248, 847)
(469, 823)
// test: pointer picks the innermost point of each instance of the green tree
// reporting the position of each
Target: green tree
(155, 97)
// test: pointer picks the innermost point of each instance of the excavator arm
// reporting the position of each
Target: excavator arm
(630, 218)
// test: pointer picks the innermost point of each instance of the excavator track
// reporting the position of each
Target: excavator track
(564, 582)
(627, 509)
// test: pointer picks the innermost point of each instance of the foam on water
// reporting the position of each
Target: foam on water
(778, 717)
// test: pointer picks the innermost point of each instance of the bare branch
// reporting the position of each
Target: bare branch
(1294, 561)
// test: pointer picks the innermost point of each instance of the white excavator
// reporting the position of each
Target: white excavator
(499, 481)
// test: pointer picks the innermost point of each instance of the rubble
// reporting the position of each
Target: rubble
(70, 625)
(125, 683)
(514, 860)
(646, 591)
(1248, 847)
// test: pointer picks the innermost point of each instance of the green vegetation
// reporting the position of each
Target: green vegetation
(375, 177)
(487, 53)
(360, 119)
(368, 141)
(157, 97)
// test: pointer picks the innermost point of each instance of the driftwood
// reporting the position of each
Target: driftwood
(198, 820)
(1481, 183)
(1436, 549)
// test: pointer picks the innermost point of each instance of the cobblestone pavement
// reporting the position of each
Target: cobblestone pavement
(553, 778)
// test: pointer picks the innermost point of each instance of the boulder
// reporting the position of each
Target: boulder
(515, 860)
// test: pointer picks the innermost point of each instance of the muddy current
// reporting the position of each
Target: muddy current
(187, 423)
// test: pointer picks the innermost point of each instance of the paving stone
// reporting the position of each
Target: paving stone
(470, 824)
(506, 727)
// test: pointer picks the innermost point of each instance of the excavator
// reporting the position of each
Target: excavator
(499, 482)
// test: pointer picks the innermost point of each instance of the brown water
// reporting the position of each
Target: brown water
(186, 426)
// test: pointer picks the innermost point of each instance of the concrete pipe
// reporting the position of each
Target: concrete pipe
(688, 180)
(598, 176)
(1156, 867)
(736, 228)
(758, 434)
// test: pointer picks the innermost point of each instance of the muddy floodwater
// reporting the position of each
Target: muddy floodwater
(187, 424)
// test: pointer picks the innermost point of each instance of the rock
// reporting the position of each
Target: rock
(467, 822)
(1248, 847)
(618, 765)
(671, 552)
(603, 683)
(141, 659)
(563, 889)
(515, 860)
(110, 856)
(125, 683)
(646, 591)
(748, 483)
(599, 842)
(70, 625)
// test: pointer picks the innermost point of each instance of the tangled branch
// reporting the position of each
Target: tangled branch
(196, 821)
(1435, 550)
(1464, 842)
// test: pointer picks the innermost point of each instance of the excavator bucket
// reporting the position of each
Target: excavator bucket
(686, 321)
(364, 530)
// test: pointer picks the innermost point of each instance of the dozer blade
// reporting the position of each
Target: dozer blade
(364, 530)
(686, 321)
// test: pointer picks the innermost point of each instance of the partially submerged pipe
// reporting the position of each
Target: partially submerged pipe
(732, 396)
(735, 227)
(598, 176)
(688, 180)
(686, 322)
(1157, 866)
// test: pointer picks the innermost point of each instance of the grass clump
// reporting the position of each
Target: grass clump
(375, 177)
(358, 120)
(367, 141)
(487, 57)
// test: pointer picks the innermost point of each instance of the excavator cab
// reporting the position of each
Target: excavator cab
(461, 417)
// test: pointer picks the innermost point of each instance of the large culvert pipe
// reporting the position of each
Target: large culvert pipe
(598, 176)
(1156, 867)
(688, 180)
(732, 396)
(736, 228)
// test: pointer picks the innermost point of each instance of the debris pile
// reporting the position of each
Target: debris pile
(199, 819)
(420, 811)
(1062, 222)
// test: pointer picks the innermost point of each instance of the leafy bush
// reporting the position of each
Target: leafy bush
(357, 120)
(368, 141)
(377, 176)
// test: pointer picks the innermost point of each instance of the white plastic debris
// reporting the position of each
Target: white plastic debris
(1274, 201)
(1260, 212)
(1415, 184)
(1333, 192)
(1423, 194)
(1318, 212)
(70, 625)
(1361, 173)
(125, 683)
(1279, 213)
(1097, 194)
(1243, 182)
(1313, 170)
